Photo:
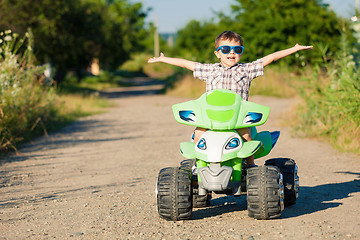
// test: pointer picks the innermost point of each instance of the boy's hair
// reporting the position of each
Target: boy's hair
(228, 35)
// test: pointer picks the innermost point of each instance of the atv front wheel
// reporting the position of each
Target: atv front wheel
(289, 171)
(265, 192)
(174, 194)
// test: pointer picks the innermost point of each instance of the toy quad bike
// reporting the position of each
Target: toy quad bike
(216, 162)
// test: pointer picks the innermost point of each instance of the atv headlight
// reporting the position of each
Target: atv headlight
(233, 143)
(202, 144)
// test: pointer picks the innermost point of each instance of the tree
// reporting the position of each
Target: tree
(197, 40)
(267, 26)
(123, 32)
(70, 33)
(272, 25)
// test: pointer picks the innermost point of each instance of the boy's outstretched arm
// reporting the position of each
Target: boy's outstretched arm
(281, 54)
(173, 61)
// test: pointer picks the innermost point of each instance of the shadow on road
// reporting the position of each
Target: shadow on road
(140, 86)
(220, 206)
(322, 197)
(311, 199)
(82, 132)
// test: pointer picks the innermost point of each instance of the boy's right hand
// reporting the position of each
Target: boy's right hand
(156, 59)
(301, 47)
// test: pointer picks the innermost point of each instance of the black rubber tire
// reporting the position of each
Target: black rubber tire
(199, 201)
(288, 169)
(264, 192)
(188, 164)
(174, 195)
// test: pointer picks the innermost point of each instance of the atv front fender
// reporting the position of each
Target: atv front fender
(187, 149)
(250, 148)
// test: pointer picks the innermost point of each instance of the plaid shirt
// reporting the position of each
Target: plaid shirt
(236, 78)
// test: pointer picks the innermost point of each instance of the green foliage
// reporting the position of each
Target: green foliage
(333, 101)
(69, 34)
(90, 85)
(196, 41)
(123, 32)
(136, 63)
(29, 106)
(272, 25)
(25, 102)
(267, 26)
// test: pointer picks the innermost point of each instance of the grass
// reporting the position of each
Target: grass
(42, 112)
(30, 106)
(276, 82)
(331, 102)
(330, 113)
(91, 84)
(187, 87)
(79, 105)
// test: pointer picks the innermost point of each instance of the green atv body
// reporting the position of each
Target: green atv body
(216, 162)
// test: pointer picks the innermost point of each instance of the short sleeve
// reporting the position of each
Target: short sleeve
(202, 71)
(255, 69)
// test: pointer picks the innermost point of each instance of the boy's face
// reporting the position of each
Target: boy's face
(230, 59)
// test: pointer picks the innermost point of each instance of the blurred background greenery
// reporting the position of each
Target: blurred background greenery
(48, 48)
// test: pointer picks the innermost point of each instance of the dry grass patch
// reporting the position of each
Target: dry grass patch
(78, 105)
(275, 82)
(187, 87)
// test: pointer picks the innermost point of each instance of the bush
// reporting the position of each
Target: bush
(332, 101)
(26, 101)
(29, 105)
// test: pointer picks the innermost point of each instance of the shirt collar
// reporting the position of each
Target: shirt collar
(221, 66)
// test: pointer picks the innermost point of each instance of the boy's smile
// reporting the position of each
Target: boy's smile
(230, 59)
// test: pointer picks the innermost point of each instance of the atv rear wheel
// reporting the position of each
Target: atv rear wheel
(199, 201)
(265, 192)
(289, 171)
(174, 194)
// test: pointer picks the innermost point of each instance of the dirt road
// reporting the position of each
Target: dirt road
(95, 179)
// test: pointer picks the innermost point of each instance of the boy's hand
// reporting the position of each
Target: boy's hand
(156, 59)
(173, 61)
(301, 47)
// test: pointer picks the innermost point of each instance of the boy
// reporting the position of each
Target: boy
(229, 74)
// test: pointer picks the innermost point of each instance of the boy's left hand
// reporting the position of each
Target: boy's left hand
(301, 47)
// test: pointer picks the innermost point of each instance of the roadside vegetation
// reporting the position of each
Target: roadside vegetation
(331, 96)
(30, 105)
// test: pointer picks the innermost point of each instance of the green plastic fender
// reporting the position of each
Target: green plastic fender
(220, 109)
(187, 149)
(250, 148)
